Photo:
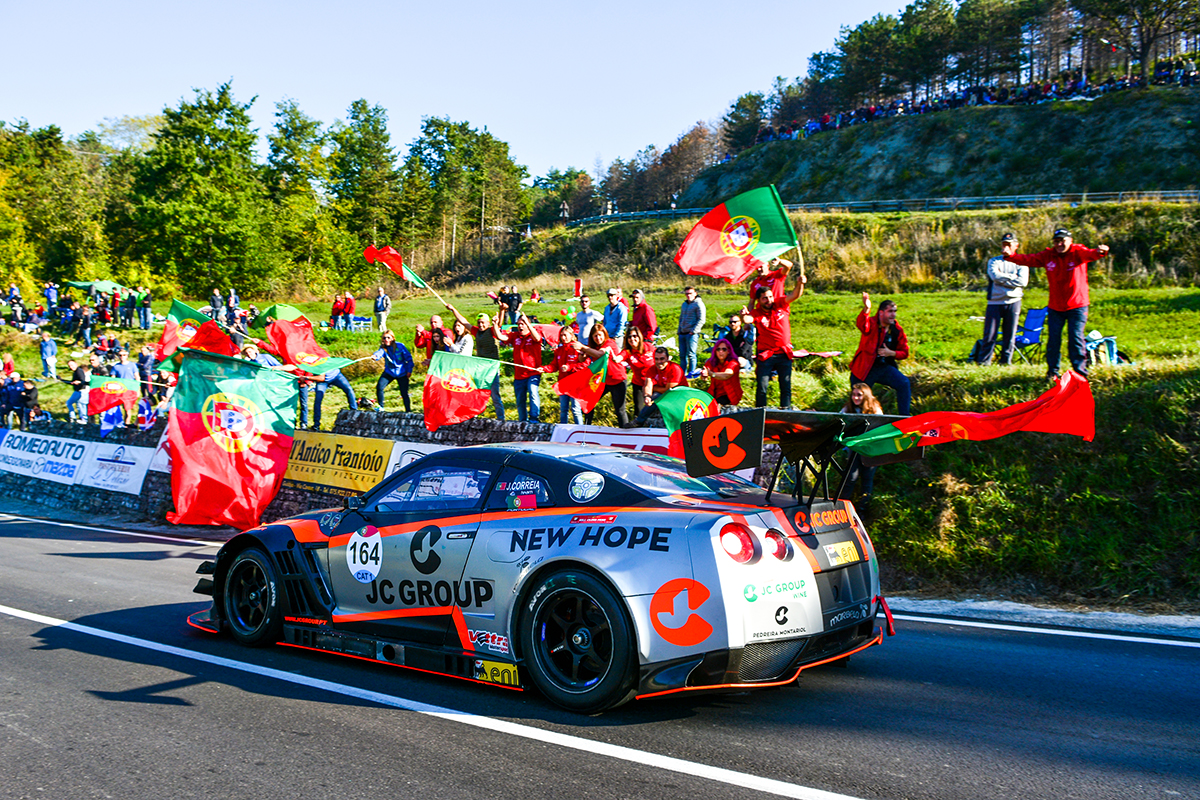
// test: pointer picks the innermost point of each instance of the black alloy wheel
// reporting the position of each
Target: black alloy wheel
(577, 642)
(251, 599)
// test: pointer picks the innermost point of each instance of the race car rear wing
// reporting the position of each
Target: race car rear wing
(808, 440)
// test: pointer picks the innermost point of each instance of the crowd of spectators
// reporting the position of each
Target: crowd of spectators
(1181, 72)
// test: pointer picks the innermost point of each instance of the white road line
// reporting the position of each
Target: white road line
(717, 774)
(135, 534)
(1003, 626)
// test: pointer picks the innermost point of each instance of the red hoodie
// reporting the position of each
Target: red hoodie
(1066, 273)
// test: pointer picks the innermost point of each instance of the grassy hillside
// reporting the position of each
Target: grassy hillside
(1124, 141)
(1032, 515)
(1153, 244)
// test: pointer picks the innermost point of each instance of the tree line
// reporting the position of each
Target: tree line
(935, 46)
(178, 201)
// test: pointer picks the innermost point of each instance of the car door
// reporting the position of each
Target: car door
(399, 574)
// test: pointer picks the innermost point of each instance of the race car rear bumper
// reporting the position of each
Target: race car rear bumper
(757, 665)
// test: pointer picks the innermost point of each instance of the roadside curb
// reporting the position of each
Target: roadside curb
(1174, 625)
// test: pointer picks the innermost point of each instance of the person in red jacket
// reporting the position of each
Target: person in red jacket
(424, 338)
(1066, 273)
(614, 379)
(347, 310)
(883, 343)
(664, 376)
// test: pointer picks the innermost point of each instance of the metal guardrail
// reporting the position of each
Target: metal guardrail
(924, 204)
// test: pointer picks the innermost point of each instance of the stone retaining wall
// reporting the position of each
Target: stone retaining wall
(80, 503)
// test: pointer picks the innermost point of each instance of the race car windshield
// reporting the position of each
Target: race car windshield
(662, 476)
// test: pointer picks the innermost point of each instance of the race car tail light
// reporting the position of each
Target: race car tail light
(738, 542)
(777, 544)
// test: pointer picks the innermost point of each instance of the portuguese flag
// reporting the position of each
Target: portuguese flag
(585, 385)
(106, 392)
(274, 312)
(183, 322)
(208, 338)
(457, 388)
(680, 405)
(1067, 407)
(294, 341)
(730, 241)
(230, 432)
(394, 262)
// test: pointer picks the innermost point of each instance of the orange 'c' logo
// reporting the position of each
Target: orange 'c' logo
(696, 629)
(711, 443)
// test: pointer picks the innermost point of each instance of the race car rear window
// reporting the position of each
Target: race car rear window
(436, 489)
(661, 476)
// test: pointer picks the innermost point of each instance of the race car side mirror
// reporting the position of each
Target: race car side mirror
(352, 503)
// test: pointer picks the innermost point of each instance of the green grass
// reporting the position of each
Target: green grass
(1027, 516)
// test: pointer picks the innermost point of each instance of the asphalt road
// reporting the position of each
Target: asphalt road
(127, 701)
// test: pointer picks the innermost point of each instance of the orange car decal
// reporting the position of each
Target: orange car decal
(455, 613)
(448, 522)
(878, 639)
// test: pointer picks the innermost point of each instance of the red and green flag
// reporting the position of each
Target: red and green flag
(106, 392)
(293, 340)
(680, 405)
(394, 262)
(730, 241)
(1067, 407)
(208, 338)
(182, 323)
(230, 431)
(585, 384)
(457, 388)
(274, 312)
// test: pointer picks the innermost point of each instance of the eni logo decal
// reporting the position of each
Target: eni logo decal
(739, 236)
(695, 628)
(457, 380)
(717, 444)
(231, 421)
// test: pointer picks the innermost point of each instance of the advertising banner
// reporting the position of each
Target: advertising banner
(343, 465)
(651, 440)
(405, 453)
(47, 457)
(162, 455)
(116, 467)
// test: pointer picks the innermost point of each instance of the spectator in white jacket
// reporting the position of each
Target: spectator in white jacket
(1006, 287)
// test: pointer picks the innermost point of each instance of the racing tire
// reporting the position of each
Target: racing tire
(577, 642)
(251, 599)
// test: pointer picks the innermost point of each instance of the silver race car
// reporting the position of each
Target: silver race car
(596, 575)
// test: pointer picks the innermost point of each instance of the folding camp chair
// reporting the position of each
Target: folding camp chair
(1029, 335)
(360, 324)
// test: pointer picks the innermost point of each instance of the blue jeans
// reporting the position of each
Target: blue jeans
(76, 407)
(322, 387)
(497, 402)
(401, 384)
(890, 376)
(144, 317)
(303, 406)
(1075, 320)
(568, 404)
(778, 363)
(688, 343)
(528, 387)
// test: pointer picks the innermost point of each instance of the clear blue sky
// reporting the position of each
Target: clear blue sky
(564, 83)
